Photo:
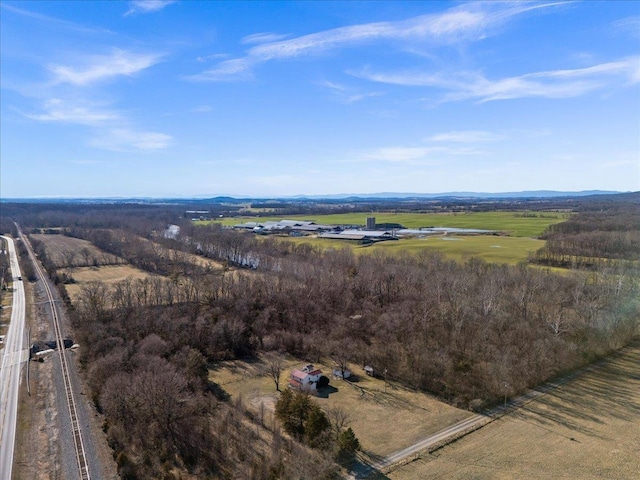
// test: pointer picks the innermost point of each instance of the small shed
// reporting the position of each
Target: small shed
(368, 369)
(338, 373)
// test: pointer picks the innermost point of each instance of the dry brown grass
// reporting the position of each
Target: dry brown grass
(586, 429)
(384, 422)
(61, 250)
(108, 274)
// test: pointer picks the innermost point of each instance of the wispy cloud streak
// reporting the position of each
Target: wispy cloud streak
(122, 140)
(56, 110)
(147, 6)
(46, 19)
(413, 155)
(102, 67)
(470, 21)
(466, 136)
(263, 37)
(628, 25)
(565, 83)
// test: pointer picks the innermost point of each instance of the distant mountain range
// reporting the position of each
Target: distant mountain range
(524, 194)
(335, 197)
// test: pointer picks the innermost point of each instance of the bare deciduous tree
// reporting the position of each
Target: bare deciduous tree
(274, 363)
(339, 419)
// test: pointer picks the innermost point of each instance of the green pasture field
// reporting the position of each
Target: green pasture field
(491, 248)
(513, 223)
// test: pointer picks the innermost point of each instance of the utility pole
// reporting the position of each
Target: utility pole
(506, 386)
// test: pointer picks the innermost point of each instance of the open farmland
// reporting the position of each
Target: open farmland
(491, 248)
(108, 274)
(383, 421)
(588, 428)
(517, 224)
(66, 251)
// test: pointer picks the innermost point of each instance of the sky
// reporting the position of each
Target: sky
(264, 99)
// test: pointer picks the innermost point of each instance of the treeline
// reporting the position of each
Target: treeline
(148, 253)
(595, 240)
(132, 216)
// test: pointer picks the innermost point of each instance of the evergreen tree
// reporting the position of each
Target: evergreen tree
(348, 445)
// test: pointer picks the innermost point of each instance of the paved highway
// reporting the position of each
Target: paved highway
(14, 354)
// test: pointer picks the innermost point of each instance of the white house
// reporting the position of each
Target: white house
(305, 379)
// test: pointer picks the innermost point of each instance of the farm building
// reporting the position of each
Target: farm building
(305, 379)
(362, 236)
(284, 226)
(339, 373)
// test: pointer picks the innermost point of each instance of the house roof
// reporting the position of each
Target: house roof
(298, 374)
(368, 233)
(295, 383)
(341, 236)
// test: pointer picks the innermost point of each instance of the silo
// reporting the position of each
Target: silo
(371, 223)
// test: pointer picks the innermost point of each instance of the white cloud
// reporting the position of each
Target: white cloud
(262, 38)
(202, 109)
(147, 6)
(471, 21)
(347, 94)
(622, 163)
(227, 70)
(549, 84)
(413, 155)
(101, 67)
(214, 56)
(57, 110)
(629, 25)
(466, 136)
(121, 139)
(48, 20)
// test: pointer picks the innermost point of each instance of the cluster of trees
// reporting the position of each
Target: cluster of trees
(162, 414)
(26, 266)
(5, 266)
(307, 422)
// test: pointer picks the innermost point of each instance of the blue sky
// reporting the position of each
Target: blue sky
(185, 98)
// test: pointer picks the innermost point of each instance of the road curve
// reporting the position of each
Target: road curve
(13, 357)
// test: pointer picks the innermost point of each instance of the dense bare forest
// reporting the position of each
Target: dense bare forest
(469, 333)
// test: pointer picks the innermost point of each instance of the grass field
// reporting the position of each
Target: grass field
(383, 421)
(511, 222)
(586, 429)
(68, 251)
(107, 274)
(491, 248)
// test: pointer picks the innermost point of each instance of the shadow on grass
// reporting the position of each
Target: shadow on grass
(361, 467)
(324, 392)
(219, 392)
(585, 402)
